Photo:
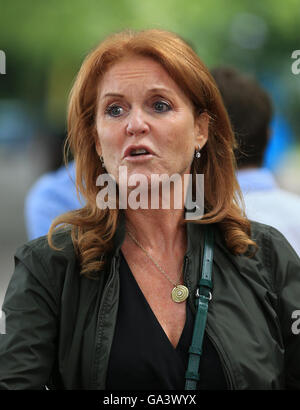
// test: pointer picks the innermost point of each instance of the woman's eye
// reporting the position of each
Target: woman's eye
(114, 110)
(161, 106)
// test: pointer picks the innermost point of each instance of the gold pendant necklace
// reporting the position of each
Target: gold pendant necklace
(180, 292)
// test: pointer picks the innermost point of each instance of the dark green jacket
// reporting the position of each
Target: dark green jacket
(60, 325)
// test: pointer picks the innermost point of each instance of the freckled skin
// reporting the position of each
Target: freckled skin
(172, 134)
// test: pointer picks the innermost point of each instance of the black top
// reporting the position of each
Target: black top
(143, 358)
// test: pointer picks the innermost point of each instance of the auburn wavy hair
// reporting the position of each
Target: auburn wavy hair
(93, 229)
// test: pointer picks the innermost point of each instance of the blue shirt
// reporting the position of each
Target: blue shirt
(267, 203)
(52, 195)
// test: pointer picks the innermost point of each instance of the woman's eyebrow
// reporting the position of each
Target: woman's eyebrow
(111, 95)
(152, 90)
(160, 89)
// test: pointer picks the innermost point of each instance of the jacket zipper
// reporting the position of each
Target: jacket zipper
(185, 265)
(100, 315)
(228, 375)
(185, 268)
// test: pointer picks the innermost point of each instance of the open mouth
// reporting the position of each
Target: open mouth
(137, 152)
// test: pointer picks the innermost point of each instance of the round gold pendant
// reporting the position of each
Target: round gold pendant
(180, 293)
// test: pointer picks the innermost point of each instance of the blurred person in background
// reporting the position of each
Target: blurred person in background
(250, 110)
(108, 300)
(53, 194)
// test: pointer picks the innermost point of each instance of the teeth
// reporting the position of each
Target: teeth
(139, 151)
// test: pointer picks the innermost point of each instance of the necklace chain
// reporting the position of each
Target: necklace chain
(155, 263)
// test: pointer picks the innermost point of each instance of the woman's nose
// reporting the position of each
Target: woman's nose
(137, 124)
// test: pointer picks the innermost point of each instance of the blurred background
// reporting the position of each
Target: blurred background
(46, 41)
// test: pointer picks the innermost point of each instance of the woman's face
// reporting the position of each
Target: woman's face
(140, 107)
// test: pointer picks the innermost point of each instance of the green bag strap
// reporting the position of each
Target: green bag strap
(203, 296)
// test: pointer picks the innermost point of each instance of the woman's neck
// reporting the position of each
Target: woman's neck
(161, 229)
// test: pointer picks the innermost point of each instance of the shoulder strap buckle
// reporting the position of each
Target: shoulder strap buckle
(208, 297)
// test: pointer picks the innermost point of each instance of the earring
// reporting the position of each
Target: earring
(197, 152)
(102, 161)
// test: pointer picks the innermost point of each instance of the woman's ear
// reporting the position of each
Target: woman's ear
(98, 147)
(97, 141)
(202, 127)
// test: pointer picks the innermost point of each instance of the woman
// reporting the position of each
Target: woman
(95, 307)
